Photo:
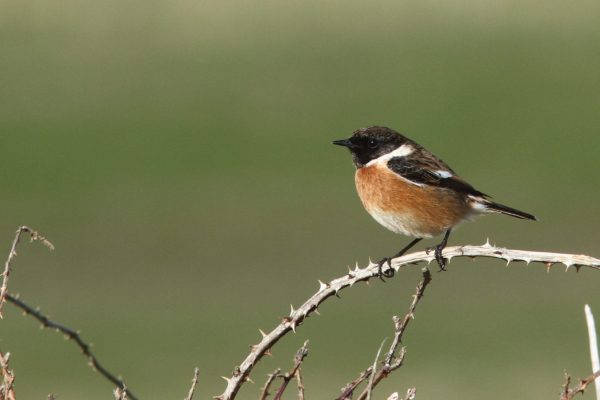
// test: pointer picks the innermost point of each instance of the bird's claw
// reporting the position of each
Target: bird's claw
(437, 252)
(388, 273)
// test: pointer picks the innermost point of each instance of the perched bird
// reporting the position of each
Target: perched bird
(410, 191)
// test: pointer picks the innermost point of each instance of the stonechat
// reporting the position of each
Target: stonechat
(410, 191)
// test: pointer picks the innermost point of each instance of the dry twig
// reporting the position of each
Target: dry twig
(567, 394)
(35, 236)
(370, 385)
(74, 336)
(194, 383)
(326, 290)
(7, 391)
(594, 353)
(391, 361)
(270, 378)
(120, 394)
(300, 384)
(298, 358)
(351, 386)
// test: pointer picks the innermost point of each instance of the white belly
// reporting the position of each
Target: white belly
(404, 224)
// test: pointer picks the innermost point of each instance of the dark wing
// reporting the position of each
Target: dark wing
(424, 169)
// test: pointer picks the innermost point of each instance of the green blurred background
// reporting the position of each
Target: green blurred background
(178, 154)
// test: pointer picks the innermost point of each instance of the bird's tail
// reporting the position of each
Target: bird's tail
(502, 209)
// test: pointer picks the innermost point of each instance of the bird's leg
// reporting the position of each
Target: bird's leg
(438, 251)
(390, 271)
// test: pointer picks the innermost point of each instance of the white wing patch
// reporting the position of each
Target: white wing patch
(443, 174)
(401, 151)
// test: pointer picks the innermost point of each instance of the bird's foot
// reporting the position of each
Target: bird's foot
(437, 251)
(389, 272)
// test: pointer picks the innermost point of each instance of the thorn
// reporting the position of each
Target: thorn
(487, 243)
(368, 283)
(527, 260)
(248, 379)
(268, 353)
(226, 379)
(508, 260)
(577, 268)
(568, 265)
(322, 286)
(548, 266)
(263, 334)
(293, 326)
(317, 312)
(291, 309)
(253, 347)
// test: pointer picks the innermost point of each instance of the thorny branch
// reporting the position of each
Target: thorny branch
(46, 322)
(75, 337)
(567, 394)
(7, 391)
(297, 317)
(326, 290)
(34, 236)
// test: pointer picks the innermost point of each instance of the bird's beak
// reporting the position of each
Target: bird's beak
(344, 142)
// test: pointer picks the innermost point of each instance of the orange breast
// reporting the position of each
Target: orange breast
(406, 208)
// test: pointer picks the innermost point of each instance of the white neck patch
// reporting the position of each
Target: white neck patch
(401, 151)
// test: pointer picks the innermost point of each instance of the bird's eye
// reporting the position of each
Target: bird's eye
(372, 143)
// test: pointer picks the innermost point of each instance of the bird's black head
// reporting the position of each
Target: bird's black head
(367, 144)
